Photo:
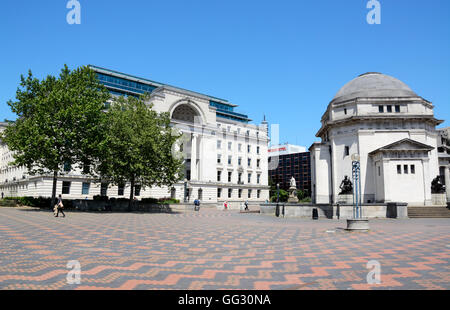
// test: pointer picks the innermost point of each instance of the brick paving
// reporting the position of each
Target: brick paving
(214, 249)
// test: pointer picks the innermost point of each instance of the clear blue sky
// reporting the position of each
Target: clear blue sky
(285, 59)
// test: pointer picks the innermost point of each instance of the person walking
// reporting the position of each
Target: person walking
(196, 205)
(59, 207)
(225, 205)
(246, 205)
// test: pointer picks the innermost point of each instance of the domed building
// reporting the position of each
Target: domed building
(391, 128)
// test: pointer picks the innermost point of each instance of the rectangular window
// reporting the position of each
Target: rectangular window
(240, 193)
(219, 175)
(248, 148)
(219, 144)
(249, 162)
(137, 190)
(85, 188)
(240, 161)
(219, 192)
(66, 188)
(405, 169)
(219, 158)
(230, 191)
(229, 146)
(389, 108)
(239, 178)
(104, 189)
(249, 193)
(397, 109)
(413, 169)
(258, 178)
(249, 178)
(258, 162)
(380, 109)
(239, 147)
(257, 150)
(347, 151)
(399, 169)
(229, 176)
(345, 111)
(121, 189)
(229, 160)
(258, 194)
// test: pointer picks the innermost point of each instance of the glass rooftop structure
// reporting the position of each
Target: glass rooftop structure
(122, 84)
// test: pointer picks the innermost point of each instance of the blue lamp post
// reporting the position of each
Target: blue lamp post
(356, 186)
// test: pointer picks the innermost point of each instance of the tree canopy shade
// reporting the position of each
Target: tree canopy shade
(58, 121)
(138, 146)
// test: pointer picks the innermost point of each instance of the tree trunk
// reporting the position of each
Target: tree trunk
(55, 180)
(131, 194)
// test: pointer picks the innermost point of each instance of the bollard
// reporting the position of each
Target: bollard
(277, 211)
(283, 211)
(315, 214)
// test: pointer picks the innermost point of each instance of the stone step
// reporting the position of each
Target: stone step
(428, 212)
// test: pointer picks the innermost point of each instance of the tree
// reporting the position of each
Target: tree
(137, 148)
(58, 122)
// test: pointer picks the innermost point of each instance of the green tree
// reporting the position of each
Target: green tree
(137, 148)
(58, 122)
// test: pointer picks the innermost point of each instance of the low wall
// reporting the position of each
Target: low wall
(399, 210)
(122, 206)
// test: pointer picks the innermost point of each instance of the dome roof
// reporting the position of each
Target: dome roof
(373, 84)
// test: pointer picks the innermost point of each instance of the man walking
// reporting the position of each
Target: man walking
(59, 207)
(196, 205)
(246, 205)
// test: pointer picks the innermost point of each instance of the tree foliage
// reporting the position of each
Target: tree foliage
(137, 146)
(58, 121)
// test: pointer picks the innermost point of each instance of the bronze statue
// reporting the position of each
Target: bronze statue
(436, 186)
(346, 186)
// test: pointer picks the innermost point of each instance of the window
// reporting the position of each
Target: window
(248, 148)
(219, 192)
(405, 169)
(249, 178)
(66, 188)
(219, 175)
(257, 150)
(413, 169)
(240, 161)
(258, 178)
(380, 109)
(229, 160)
(397, 109)
(229, 146)
(399, 169)
(121, 189)
(239, 178)
(389, 108)
(219, 144)
(258, 162)
(230, 191)
(137, 191)
(85, 188)
(249, 193)
(345, 111)
(229, 176)
(240, 193)
(104, 189)
(240, 147)
(347, 151)
(219, 157)
(258, 194)
(249, 162)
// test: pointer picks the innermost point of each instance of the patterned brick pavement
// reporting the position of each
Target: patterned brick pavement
(217, 250)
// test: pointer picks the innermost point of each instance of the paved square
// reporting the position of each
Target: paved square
(217, 250)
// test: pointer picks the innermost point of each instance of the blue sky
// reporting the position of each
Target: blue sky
(284, 59)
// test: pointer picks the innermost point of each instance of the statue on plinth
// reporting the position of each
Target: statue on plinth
(346, 186)
(293, 191)
(436, 186)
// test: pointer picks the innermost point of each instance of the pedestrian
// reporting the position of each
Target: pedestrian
(225, 205)
(197, 205)
(2, 195)
(246, 205)
(59, 207)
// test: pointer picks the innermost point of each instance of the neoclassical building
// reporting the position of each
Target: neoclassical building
(225, 156)
(393, 131)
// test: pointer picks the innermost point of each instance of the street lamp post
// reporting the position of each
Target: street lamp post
(277, 210)
(357, 222)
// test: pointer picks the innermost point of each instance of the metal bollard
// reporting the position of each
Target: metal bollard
(277, 211)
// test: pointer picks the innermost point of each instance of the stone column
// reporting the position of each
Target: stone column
(427, 182)
(447, 182)
(194, 157)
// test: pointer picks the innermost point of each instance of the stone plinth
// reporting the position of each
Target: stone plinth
(292, 195)
(358, 224)
(439, 199)
(346, 199)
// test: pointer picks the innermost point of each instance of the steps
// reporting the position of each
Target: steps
(428, 212)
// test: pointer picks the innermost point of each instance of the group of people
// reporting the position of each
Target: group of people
(225, 205)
